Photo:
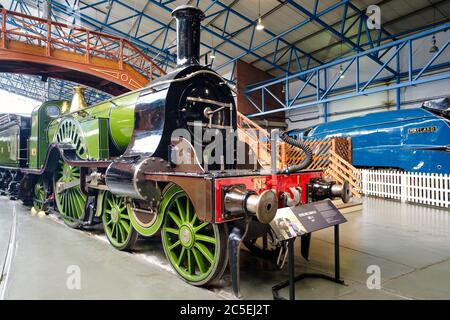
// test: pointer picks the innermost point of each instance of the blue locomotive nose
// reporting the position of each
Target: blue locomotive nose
(414, 140)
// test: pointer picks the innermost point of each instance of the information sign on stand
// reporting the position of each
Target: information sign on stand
(292, 222)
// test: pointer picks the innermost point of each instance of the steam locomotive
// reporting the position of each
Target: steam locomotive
(119, 163)
(414, 140)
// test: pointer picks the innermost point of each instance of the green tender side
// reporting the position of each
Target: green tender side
(39, 141)
(9, 146)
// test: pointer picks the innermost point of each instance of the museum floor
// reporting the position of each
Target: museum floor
(409, 243)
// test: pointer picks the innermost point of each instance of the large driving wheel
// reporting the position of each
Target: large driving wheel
(116, 221)
(71, 202)
(195, 249)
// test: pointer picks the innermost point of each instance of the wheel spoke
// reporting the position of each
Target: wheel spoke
(189, 262)
(80, 205)
(75, 204)
(69, 204)
(181, 212)
(194, 219)
(175, 219)
(180, 257)
(205, 251)
(199, 260)
(124, 216)
(204, 238)
(121, 231)
(63, 203)
(125, 226)
(172, 230)
(188, 210)
(198, 228)
(114, 231)
(176, 244)
(69, 212)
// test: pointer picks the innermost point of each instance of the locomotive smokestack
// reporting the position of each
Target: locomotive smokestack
(188, 34)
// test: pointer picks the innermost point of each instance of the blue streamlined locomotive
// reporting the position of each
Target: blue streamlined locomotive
(414, 140)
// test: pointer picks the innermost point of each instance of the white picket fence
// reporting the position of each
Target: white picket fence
(425, 188)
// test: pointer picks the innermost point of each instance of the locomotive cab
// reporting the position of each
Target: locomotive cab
(41, 118)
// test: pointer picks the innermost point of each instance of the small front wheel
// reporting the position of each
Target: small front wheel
(116, 221)
(195, 249)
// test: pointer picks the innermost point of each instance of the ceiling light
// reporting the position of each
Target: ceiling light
(212, 56)
(433, 48)
(259, 25)
(109, 5)
(341, 72)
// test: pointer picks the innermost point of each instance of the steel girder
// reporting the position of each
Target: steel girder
(332, 90)
(52, 89)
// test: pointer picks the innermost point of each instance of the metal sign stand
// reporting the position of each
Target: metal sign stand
(293, 278)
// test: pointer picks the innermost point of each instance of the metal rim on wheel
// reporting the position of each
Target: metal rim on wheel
(195, 249)
(71, 202)
(116, 221)
(39, 195)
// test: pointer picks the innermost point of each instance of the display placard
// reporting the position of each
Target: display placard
(292, 222)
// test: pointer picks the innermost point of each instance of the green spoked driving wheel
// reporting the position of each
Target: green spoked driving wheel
(116, 221)
(39, 196)
(71, 202)
(195, 249)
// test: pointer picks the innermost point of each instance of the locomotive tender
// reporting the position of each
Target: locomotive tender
(116, 163)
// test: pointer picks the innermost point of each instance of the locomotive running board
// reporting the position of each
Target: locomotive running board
(68, 155)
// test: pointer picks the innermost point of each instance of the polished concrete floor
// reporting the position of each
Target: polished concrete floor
(408, 244)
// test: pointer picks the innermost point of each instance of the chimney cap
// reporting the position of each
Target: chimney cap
(188, 10)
